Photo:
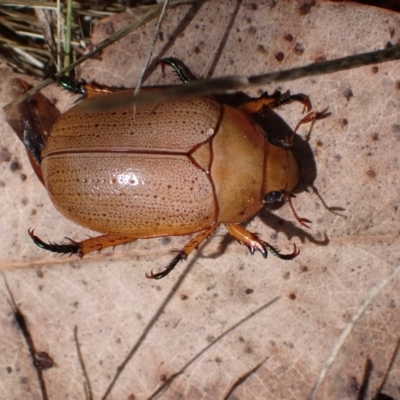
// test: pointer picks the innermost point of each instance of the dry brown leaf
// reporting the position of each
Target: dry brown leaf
(225, 295)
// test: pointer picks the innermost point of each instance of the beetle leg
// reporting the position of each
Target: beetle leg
(86, 90)
(84, 247)
(71, 85)
(310, 117)
(275, 100)
(183, 254)
(183, 72)
(253, 242)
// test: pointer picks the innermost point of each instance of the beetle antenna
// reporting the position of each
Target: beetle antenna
(303, 221)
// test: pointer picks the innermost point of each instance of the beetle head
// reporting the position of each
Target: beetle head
(282, 175)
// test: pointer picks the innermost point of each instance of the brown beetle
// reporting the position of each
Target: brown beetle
(176, 168)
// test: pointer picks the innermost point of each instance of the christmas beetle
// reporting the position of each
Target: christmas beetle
(175, 168)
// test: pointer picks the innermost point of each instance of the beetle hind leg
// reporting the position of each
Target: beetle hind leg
(183, 254)
(254, 243)
(84, 247)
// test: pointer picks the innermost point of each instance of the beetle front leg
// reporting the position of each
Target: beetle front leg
(275, 100)
(183, 254)
(254, 243)
(84, 247)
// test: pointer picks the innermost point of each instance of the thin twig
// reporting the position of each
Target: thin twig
(151, 48)
(349, 327)
(236, 83)
(23, 326)
(87, 385)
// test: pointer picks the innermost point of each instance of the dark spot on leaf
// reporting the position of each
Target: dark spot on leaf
(197, 50)
(344, 122)
(375, 69)
(279, 56)
(5, 155)
(261, 49)
(289, 37)
(306, 7)
(14, 166)
(371, 173)
(249, 291)
(24, 380)
(398, 85)
(23, 177)
(298, 48)
(348, 93)
(375, 136)
(184, 297)
(210, 338)
(292, 296)
(303, 268)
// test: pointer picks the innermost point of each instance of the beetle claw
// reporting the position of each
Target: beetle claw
(258, 246)
(64, 248)
(151, 275)
(180, 257)
(264, 253)
(276, 252)
(263, 248)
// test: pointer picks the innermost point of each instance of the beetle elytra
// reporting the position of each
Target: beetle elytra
(176, 168)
